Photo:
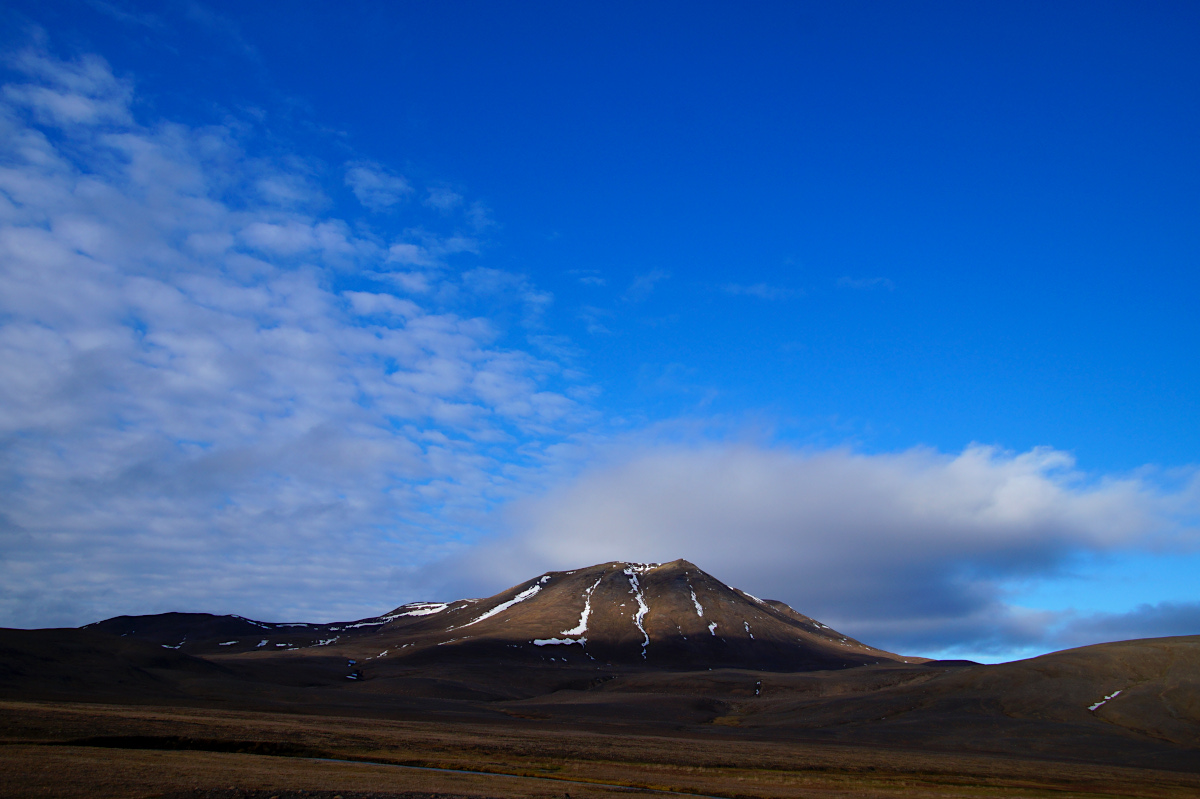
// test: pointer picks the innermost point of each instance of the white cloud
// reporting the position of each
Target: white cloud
(409, 254)
(911, 550)
(375, 187)
(211, 400)
(80, 92)
(443, 199)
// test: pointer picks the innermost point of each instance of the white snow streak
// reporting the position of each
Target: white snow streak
(503, 606)
(252, 621)
(263, 642)
(643, 608)
(418, 609)
(748, 630)
(559, 641)
(696, 602)
(227, 643)
(1113, 695)
(712, 628)
(581, 628)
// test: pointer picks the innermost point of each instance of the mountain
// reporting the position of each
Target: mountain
(663, 647)
(640, 614)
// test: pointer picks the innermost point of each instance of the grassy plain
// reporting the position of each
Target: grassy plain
(93, 750)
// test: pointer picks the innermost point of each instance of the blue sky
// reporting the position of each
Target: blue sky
(316, 309)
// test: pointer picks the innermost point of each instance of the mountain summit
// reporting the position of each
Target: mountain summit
(639, 614)
(657, 614)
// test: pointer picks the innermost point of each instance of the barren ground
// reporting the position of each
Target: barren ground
(92, 750)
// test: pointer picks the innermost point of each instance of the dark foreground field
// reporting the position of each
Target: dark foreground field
(92, 750)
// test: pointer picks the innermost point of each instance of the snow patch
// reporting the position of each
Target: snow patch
(418, 609)
(643, 608)
(581, 628)
(712, 628)
(327, 641)
(558, 641)
(640, 568)
(747, 624)
(227, 643)
(1113, 695)
(503, 606)
(696, 602)
(263, 642)
(252, 621)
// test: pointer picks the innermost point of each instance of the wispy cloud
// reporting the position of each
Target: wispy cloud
(643, 285)
(510, 288)
(375, 187)
(198, 410)
(122, 14)
(594, 319)
(479, 216)
(70, 93)
(588, 277)
(221, 26)
(866, 283)
(762, 291)
(443, 199)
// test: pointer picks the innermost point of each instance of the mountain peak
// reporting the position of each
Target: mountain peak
(638, 613)
(672, 615)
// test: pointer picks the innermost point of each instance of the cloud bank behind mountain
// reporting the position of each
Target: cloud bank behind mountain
(914, 550)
